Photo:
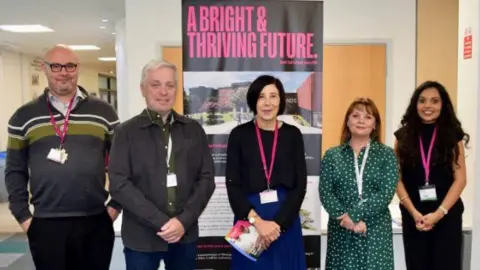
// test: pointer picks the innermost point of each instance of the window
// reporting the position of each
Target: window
(108, 89)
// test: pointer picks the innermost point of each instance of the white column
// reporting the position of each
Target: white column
(469, 112)
(122, 70)
(3, 120)
(149, 25)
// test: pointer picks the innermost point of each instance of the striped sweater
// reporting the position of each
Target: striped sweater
(75, 188)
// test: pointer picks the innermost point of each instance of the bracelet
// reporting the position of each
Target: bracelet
(443, 209)
(406, 196)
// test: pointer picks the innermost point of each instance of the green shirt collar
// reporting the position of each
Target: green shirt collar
(346, 144)
(157, 118)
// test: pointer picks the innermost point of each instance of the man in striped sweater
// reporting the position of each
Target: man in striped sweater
(56, 147)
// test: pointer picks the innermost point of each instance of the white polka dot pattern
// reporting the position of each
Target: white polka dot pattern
(339, 194)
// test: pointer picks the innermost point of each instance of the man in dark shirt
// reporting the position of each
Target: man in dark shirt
(56, 146)
(161, 172)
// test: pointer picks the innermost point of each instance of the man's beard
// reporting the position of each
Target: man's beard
(63, 89)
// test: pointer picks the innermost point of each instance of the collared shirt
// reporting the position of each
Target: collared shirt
(158, 120)
(62, 107)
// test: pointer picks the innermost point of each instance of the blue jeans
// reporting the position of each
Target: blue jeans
(178, 257)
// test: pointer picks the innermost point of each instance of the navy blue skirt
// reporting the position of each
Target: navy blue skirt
(286, 253)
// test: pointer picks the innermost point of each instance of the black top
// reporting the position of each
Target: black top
(441, 175)
(245, 174)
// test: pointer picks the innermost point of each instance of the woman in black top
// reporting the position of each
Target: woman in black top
(430, 149)
(270, 202)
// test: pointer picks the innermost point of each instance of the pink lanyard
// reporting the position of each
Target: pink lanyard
(268, 174)
(426, 161)
(61, 134)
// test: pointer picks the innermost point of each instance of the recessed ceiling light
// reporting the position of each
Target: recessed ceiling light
(114, 33)
(102, 27)
(26, 28)
(104, 20)
(84, 47)
(107, 59)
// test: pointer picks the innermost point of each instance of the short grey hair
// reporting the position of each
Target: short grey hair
(157, 64)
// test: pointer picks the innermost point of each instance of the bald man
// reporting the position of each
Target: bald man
(57, 146)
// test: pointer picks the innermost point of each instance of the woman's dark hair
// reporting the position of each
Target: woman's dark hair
(256, 88)
(449, 129)
(369, 106)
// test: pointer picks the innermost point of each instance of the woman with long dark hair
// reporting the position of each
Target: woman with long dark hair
(430, 149)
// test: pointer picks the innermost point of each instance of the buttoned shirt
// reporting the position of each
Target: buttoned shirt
(158, 120)
(63, 107)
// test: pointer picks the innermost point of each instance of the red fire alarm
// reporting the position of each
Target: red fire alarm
(467, 44)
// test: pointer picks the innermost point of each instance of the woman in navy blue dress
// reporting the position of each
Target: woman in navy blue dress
(266, 179)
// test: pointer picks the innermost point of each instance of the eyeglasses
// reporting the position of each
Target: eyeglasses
(69, 67)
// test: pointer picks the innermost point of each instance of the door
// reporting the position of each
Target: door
(349, 72)
(174, 56)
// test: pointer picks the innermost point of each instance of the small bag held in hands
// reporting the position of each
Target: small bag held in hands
(244, 237)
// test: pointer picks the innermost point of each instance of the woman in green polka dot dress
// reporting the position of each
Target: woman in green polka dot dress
(357, 183)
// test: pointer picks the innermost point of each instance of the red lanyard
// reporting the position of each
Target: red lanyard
(268, 174)
(59, 132)
(426, 161)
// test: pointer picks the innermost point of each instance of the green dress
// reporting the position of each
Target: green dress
(339, 194)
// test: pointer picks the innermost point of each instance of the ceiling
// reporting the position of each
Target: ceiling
(75, 22)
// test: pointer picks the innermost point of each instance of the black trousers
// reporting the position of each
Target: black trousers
(439, 249)
(72, 243)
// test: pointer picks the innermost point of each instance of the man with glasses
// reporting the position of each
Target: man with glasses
(56, 148)
(161, 172)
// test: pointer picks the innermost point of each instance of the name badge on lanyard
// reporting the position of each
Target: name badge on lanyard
(59, 155)
(428, 192)
(359, 172)
(171, 177)
(268, 196)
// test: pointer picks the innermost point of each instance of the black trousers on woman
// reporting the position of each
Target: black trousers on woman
(438, 249)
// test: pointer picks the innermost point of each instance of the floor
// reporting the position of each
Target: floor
(14, 251)
(7, 223)
(15, 255)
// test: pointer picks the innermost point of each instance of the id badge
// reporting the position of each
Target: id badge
(171, 180)
(428, 193)
(268, 196)
(57, 155)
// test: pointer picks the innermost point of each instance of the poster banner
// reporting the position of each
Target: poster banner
(226, 45)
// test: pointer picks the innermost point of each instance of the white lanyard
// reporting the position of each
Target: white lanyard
(169, 150)
(359, 172)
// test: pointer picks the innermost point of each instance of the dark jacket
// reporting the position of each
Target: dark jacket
(138, 171)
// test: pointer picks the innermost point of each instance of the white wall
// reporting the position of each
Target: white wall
(468, 100)
(10, 91)
(16, 71)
